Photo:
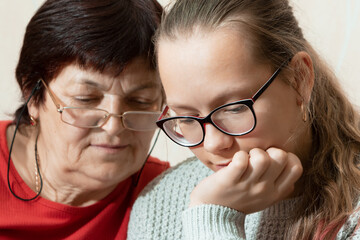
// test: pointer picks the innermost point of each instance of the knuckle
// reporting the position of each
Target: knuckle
(294, 159)
(255, 151)
(277, 154)
(258, 157)
(295, 164)
(297, 170)
(261, 160)
(240, 165)
(240, 159)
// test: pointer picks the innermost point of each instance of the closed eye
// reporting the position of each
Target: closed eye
(187, 121)
(142, 103)
(236, 109)
(86, 100)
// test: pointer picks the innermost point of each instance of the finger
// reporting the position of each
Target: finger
(237, 167)
(259, 161)
(291, 173)
(278, 161)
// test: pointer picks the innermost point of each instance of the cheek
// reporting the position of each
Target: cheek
(58, 131)
(143, 140)
(73, 135)
(202, 155)
(74, 140)
(276, 126)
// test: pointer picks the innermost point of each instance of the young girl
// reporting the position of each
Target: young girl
(257, 105)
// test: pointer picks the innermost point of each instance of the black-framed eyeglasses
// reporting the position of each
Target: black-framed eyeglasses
(85, 117)
(235, 119)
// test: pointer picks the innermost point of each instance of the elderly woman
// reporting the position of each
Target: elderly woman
(92, 97)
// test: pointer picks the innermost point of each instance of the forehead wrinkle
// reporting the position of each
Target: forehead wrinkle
(91, 84)
(97, 81)
(147, 85)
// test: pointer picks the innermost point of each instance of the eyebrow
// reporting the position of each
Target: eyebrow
(86, 81)
(218, 100)
(147, 85)
(139, 87)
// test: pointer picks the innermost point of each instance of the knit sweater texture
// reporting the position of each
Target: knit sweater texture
(161, 212)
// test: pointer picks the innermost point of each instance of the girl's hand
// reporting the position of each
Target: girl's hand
(251, 182)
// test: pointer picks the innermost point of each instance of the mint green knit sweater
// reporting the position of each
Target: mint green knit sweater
(161, 212)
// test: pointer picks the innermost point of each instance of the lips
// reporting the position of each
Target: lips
(110, 148)
(219, 166)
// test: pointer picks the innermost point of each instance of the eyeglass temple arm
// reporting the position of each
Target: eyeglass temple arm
(52, 97)
(166, 109)
(271, 79)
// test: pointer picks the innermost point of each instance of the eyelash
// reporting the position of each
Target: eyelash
(184, 115)
(140, 102)
(86, 99)
(92, 101)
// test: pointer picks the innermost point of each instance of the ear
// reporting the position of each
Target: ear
(304, 76)
(33, 110)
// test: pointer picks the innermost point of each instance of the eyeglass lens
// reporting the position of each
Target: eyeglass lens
(92, 118)
(234, 119)
(141, 121)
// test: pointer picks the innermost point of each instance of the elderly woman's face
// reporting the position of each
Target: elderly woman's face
(110, 153)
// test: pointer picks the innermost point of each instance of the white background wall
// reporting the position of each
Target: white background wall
(332, 26)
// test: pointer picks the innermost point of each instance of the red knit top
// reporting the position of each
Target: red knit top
(44, 219)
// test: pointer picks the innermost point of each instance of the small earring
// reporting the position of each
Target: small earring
(33, 121)
(303, 110)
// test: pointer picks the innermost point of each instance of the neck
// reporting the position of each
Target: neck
(23, 155)
(59, 185)
(73, 188)
(73, 195)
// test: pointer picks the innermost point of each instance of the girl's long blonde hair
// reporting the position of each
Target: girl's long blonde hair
(332, 179)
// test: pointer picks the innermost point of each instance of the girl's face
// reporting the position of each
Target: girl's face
(207, 70)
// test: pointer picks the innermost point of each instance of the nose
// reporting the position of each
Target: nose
(114, 125)
(216, 141)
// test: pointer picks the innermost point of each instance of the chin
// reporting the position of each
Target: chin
(113, 174)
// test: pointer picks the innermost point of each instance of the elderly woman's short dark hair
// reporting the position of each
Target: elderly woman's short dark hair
(103, 35)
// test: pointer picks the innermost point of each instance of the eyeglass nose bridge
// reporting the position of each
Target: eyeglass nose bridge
(108, 115)
(208, 120)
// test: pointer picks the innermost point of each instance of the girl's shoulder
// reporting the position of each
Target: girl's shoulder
(351, 228)
(186, 174)
(156, 213)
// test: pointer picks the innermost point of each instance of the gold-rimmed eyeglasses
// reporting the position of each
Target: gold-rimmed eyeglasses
(85, 117)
